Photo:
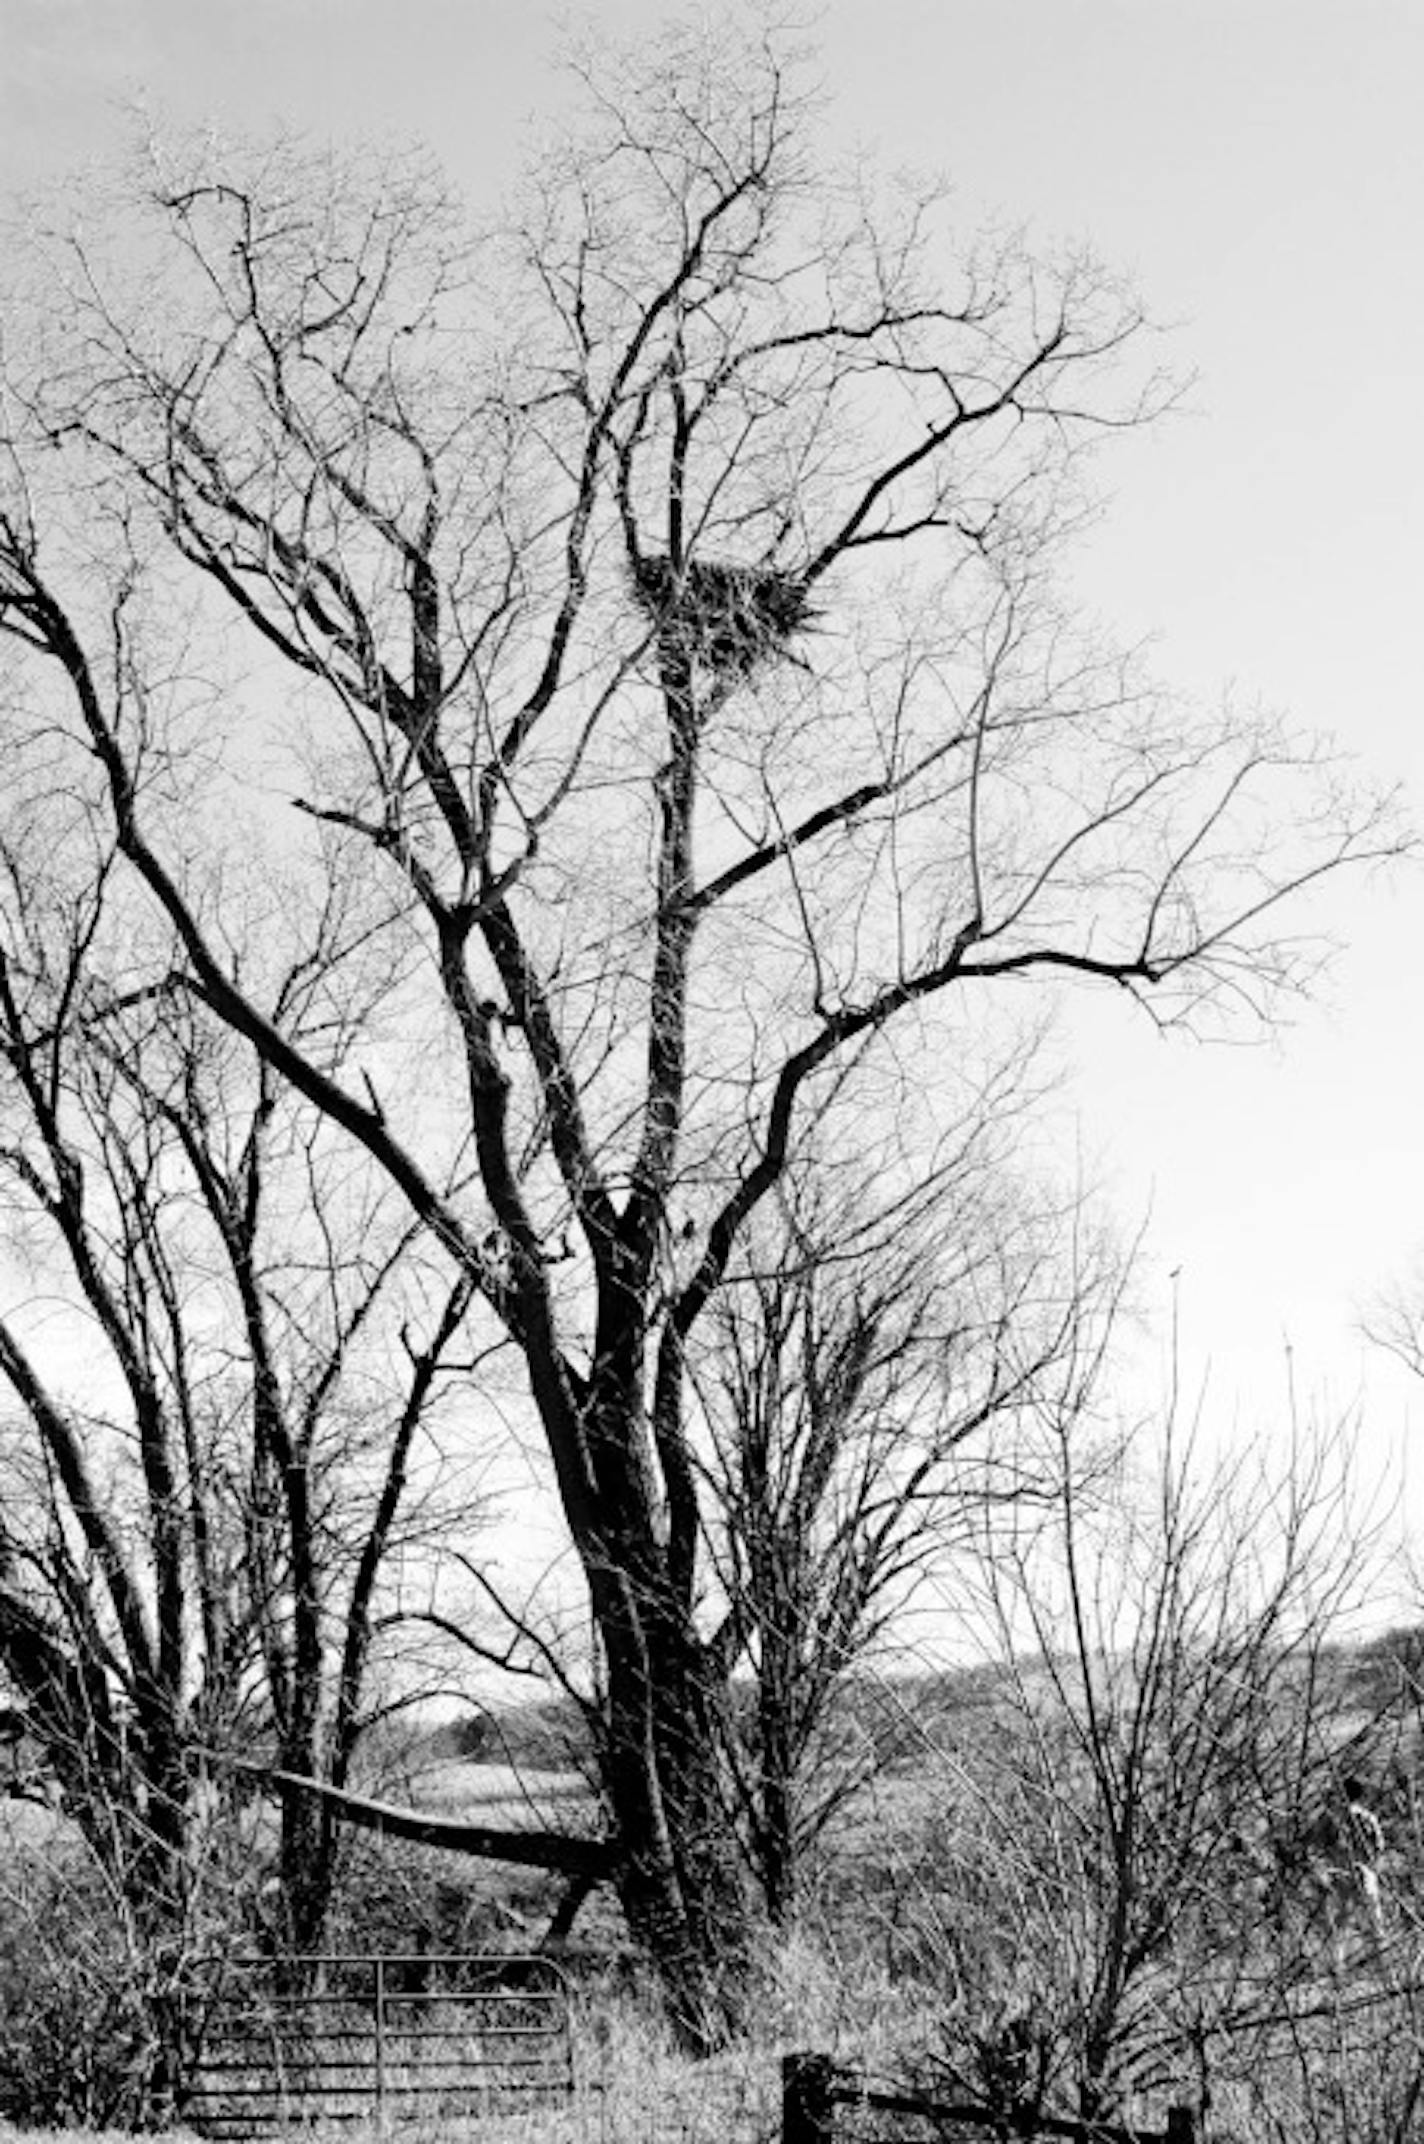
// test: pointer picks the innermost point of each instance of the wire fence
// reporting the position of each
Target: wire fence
(823, 2102)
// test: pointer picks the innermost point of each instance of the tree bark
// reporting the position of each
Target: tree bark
(681, 1878)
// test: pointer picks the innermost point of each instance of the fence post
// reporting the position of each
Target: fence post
(807, 2098)
(380, 2035)
(1181, 2125)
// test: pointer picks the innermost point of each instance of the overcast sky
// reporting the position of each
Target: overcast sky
(1258, 165)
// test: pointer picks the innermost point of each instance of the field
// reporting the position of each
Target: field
(963, 1915)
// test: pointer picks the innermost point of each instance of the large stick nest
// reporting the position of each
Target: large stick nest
(731, 619)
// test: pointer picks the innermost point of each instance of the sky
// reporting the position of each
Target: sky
(1258, 167)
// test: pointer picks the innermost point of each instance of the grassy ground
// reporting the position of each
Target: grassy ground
(872, 1977)
(635, 2087)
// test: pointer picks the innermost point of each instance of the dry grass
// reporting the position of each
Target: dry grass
(634, 2086)
(871, 1979)
(9, 2134)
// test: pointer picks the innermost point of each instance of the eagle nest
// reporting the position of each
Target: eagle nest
(728, 618)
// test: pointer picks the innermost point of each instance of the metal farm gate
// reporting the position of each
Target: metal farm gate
(439, 2040)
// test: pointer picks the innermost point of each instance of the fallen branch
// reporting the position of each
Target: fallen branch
(592, 1860)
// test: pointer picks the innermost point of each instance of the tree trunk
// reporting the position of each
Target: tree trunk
(681, 1878)
(776, 1841)
(307, 1865)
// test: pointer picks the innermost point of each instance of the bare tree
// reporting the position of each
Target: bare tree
(1394, 1321)
(224, 1359)
(868, 1380)
(653, 604)
(1180, 1799)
